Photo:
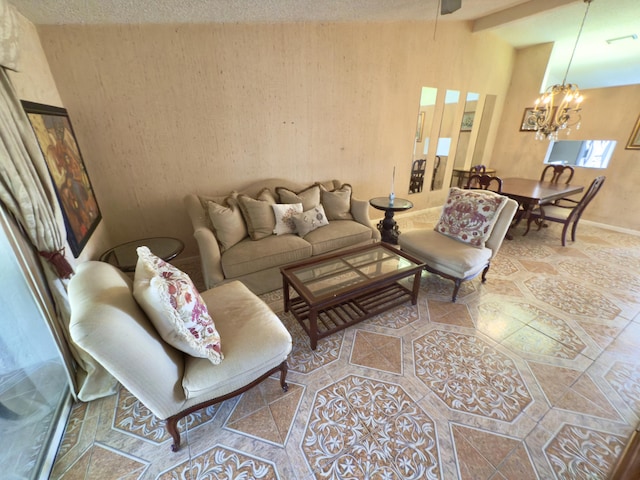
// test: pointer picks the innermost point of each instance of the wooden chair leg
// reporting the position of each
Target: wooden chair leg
(284, 368)
(172, 428)
(455, 290)
(484, 273)
(564, 234)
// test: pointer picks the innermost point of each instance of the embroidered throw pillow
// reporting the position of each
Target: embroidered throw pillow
(310, 220)
(227, 221)
(309, 197)
(469, 215)
(284, 213)
(174, 306)
(337, 203)
(258, 213)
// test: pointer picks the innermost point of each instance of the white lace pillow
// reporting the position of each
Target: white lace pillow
(284, 213)
(174, 306)
(310, 220)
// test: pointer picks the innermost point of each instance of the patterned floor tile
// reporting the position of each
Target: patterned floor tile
(224, 463)
(469, 375)
(579, 452)
(377, 351)
(102, 461)
(265, 412)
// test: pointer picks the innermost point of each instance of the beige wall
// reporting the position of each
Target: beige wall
(161, 111)
(34, 82)
(608, 114)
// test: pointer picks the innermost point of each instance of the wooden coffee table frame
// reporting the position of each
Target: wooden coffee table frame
(326, 314)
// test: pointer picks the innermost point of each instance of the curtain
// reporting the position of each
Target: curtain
(27, 193)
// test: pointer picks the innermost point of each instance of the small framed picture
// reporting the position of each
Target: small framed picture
(528, 121)
(634, 139)
(467, 121)
(419, 127)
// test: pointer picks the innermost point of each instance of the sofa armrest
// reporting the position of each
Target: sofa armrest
(501, 227)
(360, 212)
(207, 242)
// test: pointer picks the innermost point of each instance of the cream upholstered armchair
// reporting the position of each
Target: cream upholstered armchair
(110, 324)
(468, 235)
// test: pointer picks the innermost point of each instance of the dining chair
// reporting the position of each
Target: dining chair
(477, 170)
(558, 171)
(565, 211)
(417, 175)
(484, 182)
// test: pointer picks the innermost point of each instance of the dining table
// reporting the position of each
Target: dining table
(530, 193)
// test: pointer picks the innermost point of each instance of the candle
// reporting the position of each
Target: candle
(393, 177)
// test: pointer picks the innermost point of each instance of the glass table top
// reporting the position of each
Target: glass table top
(336, 274)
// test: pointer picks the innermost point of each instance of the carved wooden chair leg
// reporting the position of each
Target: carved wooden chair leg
(484, 273)
(172, 428)
(455, 289)
(284, 368)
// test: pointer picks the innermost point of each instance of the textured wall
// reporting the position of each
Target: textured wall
(608, 114)
(162, 111)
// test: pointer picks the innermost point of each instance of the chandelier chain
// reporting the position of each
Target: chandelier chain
(588, 2)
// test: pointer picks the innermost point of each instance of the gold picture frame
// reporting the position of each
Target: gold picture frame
(634, 138)
(419, 127)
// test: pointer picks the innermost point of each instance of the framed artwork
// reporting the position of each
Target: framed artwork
(419, 127)
(528, 124)
(634, 139)
(467, 121)
(57, 141)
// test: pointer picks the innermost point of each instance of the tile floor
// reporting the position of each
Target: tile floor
(534, 374)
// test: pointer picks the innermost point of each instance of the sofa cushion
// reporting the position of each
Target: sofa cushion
(258, 213)
(444, 253)
(309, 197)
(174, 306)
(338, 234)
(256, 341)
(227, 221)
(309, 220)
(469, 215)
(284, 213)
(337, 203)
(273, 251)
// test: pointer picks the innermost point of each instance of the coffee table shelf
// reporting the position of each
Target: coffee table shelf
(337, 317)
(339, 290)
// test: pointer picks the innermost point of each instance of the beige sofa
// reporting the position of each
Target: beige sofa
(257, 262)
(108, 324)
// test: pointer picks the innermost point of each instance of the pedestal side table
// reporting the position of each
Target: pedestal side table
(388, 227)
(125, 257)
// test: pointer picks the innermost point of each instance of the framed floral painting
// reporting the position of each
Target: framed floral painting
(52, 128)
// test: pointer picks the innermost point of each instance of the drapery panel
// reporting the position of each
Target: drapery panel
(9, 34)
(27, 193)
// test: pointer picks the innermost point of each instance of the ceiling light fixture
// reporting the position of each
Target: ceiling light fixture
(633, 36)
(559, 107)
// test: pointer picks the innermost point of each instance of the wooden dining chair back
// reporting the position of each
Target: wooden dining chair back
(556, 172)
(566, 210)
(485, 182)
(477, 170)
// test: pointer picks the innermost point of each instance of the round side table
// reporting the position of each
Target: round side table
(388, 227)
(125, 257)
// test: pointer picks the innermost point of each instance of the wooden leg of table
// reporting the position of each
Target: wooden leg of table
(313, 328)
(416, 287)
(285, 293)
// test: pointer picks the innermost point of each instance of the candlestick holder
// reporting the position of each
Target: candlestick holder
(392, 197)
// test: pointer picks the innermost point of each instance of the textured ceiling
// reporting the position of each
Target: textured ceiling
(519, 22)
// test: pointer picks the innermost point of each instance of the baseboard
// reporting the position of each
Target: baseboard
(611, 227)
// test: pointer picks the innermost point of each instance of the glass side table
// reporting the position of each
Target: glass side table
(388, 227)
(125, 257)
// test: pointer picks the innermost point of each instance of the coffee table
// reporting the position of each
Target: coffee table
(341, 289)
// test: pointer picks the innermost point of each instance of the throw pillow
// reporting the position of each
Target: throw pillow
(258, 214)
(469, 215)
(309, 197)
(174, 306)
(227, 222)
(337, 203)
(284, 213)
(310, 220)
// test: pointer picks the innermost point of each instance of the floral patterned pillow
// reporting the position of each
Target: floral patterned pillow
(284, 213)
(469, 215)
(174, 306)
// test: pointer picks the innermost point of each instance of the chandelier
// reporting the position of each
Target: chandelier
(559, 107)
